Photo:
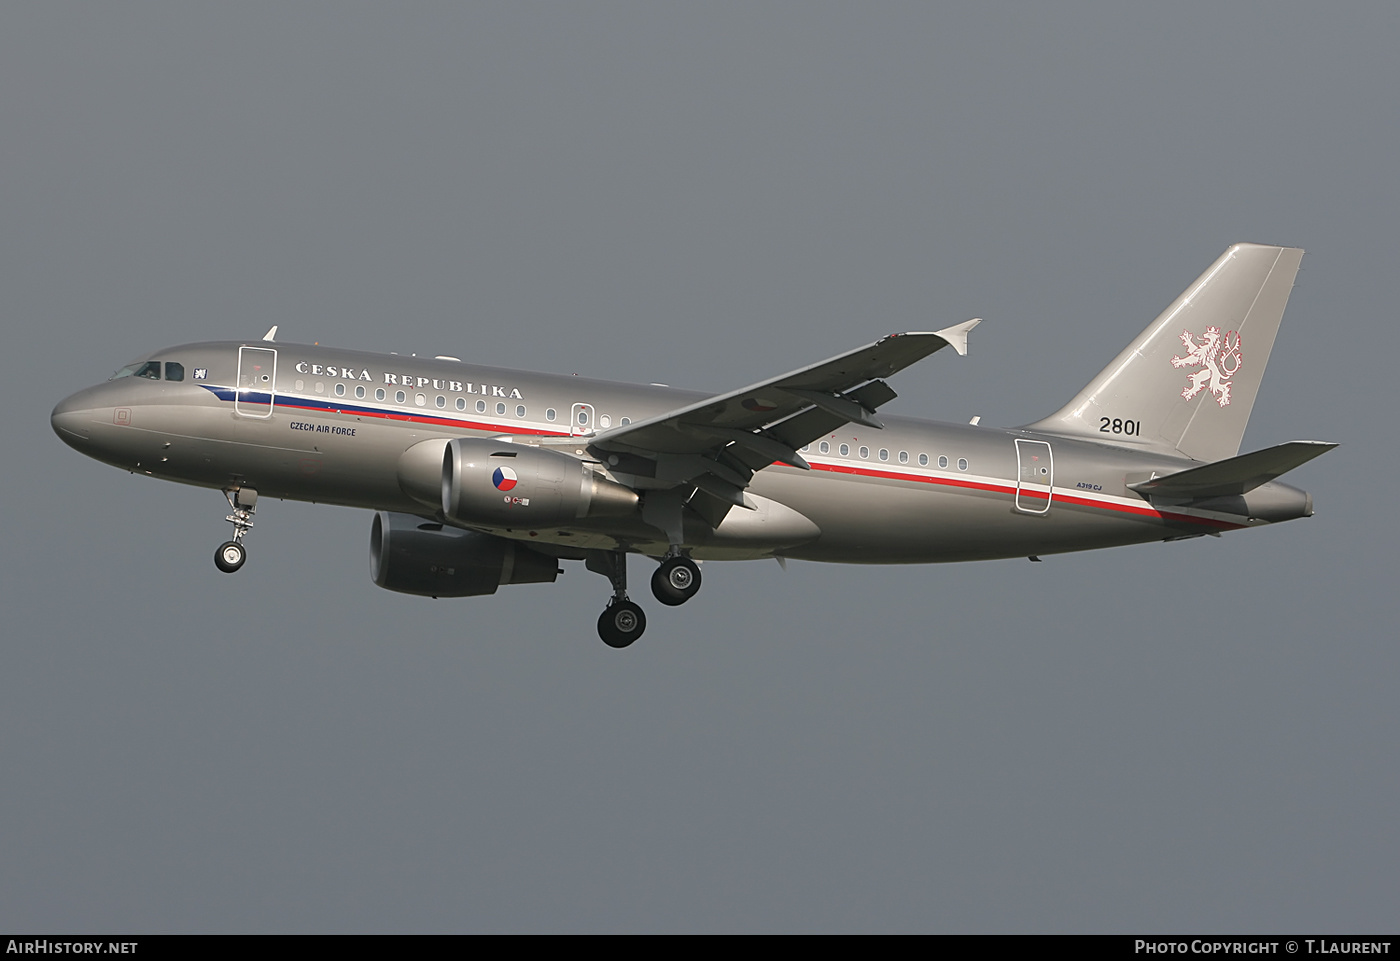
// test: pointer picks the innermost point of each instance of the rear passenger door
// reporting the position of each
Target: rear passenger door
(1035, 476)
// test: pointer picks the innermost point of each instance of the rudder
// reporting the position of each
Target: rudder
(1188, 381)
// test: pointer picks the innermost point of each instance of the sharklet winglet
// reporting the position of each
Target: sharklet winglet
(956, 336)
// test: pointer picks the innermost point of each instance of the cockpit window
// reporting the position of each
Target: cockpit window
(174, 371)
(149, 369)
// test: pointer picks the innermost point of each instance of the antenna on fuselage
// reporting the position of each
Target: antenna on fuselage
(271, 334)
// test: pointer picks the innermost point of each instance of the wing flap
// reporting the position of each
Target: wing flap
(816, 422)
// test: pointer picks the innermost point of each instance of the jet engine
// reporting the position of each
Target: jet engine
(415, 556)
(491, 483)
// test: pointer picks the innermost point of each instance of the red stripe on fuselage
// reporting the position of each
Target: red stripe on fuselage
(1139, 511)
(1078, 501)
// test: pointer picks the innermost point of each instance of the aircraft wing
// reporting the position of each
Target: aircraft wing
(718, 443)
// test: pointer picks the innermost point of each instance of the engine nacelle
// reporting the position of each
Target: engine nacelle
(414, 556)
(492, 483)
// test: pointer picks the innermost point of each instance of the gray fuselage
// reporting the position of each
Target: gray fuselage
(330, 426)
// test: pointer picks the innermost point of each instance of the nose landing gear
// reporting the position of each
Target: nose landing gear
(231, 554)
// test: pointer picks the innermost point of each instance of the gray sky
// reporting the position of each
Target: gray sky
(1190, 737)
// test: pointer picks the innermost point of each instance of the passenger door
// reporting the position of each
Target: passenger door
(257, 381)
(1035, 480)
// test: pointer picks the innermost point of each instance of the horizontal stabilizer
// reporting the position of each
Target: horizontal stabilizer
(1237, 475)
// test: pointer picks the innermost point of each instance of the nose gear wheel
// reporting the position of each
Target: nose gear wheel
(231, 554)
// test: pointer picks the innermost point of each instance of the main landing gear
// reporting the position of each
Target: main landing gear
(623, 621)
(675, 581)
(231, 554)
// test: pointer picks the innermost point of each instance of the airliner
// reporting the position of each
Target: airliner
(482, 477)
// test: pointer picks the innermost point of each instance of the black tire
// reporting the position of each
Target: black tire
(676, 581)
(230, 556)
(621, 624)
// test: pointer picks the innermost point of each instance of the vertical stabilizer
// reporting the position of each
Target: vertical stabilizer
(1189, 380)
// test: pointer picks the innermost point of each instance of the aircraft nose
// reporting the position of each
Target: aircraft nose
(72, 420)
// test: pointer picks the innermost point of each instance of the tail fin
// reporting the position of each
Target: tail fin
(1189, 380)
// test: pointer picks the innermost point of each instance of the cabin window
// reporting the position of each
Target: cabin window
(379, 393)
(864, 453)
(923, 460)
(626, 421)
(520, 410)
(604, 420)
(500, 408)
(400, 396)
(174, 371)
(360, 391)
(845, 450)
(806, 448)
(441, 401)
(301, 385)
(583, 418)
(420, 399)
(962, 463)
(320, 387)
(942, 461)
(340, 390)
(824, 447)
(481, 407)
(884, 454)
(550, 414)
(461, 403)
(904, 457)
